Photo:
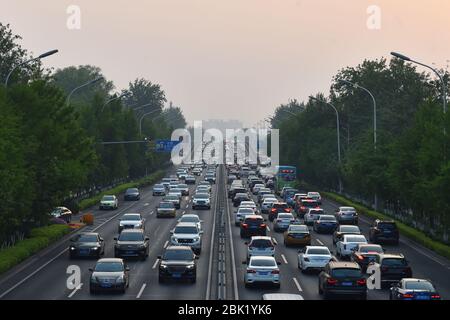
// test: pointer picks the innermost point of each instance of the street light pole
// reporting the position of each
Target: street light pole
(80, 87)
(125, 94)
(338, 134)
(444, 89)
(142, 118)
(42, 56)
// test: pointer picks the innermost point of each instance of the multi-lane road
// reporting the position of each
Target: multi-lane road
(220, 270)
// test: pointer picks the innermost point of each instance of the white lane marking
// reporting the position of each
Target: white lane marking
(155, 264)
(183, 212)
(146, 204)
(141, 291)
(284, 258)
(75, 290)
(297, 284)
(275, 241)
(151, 212)
(165, 244)
(319, 242)
(268, 229)
(187, 206)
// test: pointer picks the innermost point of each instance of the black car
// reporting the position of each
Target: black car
(132, 194)
(393, 268)
(414, 289)
(178, 262)
(342, 278)
(131, 243)
(239, 197)
(253, 225)
(365, 254)
(87, 244)
(109, 274)
(384, 231)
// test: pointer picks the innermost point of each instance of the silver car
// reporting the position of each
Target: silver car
(260, 246)
(283, 221)
(192, 218)
(262, 270)
(109, 274)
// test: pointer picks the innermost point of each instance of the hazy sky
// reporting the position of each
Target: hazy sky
(230, 58)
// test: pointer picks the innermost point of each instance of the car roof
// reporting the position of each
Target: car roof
(88, 234)
(282, 296)
(110, 260)
(172, 248)
(261, 238)
(186, 224)
(344, 264)
(131, 214)
(392, 256)
(254, 216)
(316, 247)
(262, 258)
(132, 231)
(327, 216)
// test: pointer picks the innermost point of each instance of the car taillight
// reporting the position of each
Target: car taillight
(360, 257)
(331, 281)
(435, 296)
(273, 210)
(244, 225)
(287, 209)
(361, 282)
(275, 271)
(251, 271)
(263, 226)
(408, 295)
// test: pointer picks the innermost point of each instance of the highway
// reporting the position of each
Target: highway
(220, 270)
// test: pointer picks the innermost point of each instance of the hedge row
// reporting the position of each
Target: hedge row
(404, 229)
(149, 180)
(39, 239)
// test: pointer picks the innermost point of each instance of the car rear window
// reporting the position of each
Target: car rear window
(166, 205)
(346, 273)
(178, 255)
(387, 225)
(323, 251)
(261, 243)
(263, 263)
(309, 204)
(327, 218)
(280, 206)
(253, 221)
(349, 229)
(394, 262)
(246, 210)
(131, 236)
(365, 249)
(419, 285)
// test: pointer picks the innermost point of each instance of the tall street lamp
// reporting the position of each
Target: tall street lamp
(444, 89)
(142, 118)
(125, 94)
(42, 56)
(80, 87)
(338, 134)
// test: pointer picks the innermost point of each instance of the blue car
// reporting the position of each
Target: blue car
(325, 224)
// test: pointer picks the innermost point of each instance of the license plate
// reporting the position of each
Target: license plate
(423, 297)
(106, 285)
(263, 273)
(176, 275)
(129, 252)
(347, 284)
(84, 251)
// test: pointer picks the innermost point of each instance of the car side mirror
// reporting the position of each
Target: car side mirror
(147, 239)
(101, 239)
(197, 257)
(115, 238)
(91, 270)
(127, 268)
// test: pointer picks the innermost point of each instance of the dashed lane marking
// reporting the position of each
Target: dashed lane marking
(297, 284)
(284, 258)
(141, 291)
(155, 264)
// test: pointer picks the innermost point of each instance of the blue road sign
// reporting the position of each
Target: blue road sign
(165, 145)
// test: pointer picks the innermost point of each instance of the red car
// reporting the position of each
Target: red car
(277, 208)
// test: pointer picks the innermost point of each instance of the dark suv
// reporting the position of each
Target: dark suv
(178, 262)
(131, 243)
(393, 268)
(342, 278)
(132, 194)
(383, 231)
(253, 225)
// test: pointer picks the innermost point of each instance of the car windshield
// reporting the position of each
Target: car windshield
(309, 204)
(186, 229)
(394, 262)
(182, 186)
(109, 267)
(419, 285)
(131, 236)
(280, 205)
(189, 219)
(346, 273)
(166, 205)
(349, 229)
(108, 198)
(356, 239)
(323, 251)
(263, 263)
(261, 243)
(87, 238)
(178, 255)
(347, 209)
(201, 196)
(285, 216)
(299, 228)
(246, 210)
(327, 218)
(366, 249)
(387, 225)
(131, 217)
(132, 190)
(171, 197)
(159, 186)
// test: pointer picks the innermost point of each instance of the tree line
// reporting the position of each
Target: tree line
(52, 149)
(409, 167)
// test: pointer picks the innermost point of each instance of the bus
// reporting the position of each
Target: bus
(285, 177)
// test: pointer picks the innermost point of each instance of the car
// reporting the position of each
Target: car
(414, 289)
(211, 177)
(86, 244)
(190, 179)
(166, 182)
(313, 257)
(283, 221)
(393, 267)
(183, 174)
(278, 207)
(159, 190)
(178, 263)
(284, 189)
(297, 234)
(266, 205)
(132, 243)
(234, 189)
(132, 194)
(257, 187)
(342, 279)
(346, 215)
(339, 233)
(304, 205)
(260, 246)
(349, 242)
(316, 196)
(231, 178)
(184, 189)
(325, 224)
(174, 199)
(253, 225)
(62, 213)
(264, 194)
(241, 213)
(201, 201)
(202, 189)
(197, 171)
(364, 254)
(240, 197)
(262, 269)
(109, 202)
(288, 196)
(281, 296)
(383, 231)
(188, 217)
(109, 274)
(166, 209)
(312, 215)
(249, 204)
(176, 192)
(131, 221)
(187, 234)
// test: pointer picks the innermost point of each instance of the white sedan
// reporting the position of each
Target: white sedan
(314, 257)
(262, 269)
(349, 242)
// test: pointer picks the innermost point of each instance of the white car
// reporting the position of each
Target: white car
(266, 205)
(260, 246)
(262, 269)
(249, 204)
(348, 243)
(131, 221)
(109, 202)
(192, 218)
(241, 213)
(316, 196)
(283, 221)
(187, 234)
(313, 214)
(202, 189)
(257, 187)
(201, 200)
(314, 257)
